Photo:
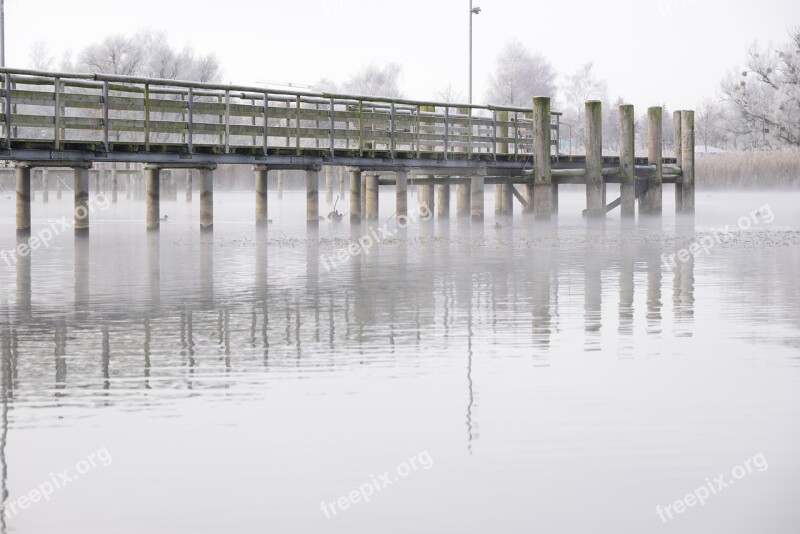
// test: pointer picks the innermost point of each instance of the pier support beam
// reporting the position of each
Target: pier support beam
(687, 162)
(355, 195)
(627, 162)
(153, 196)
(372, 201)
(81, 201)
(402, 193)
(23, 175)
(262, 185)
(676, 149)
(595, 208)
(206, 200)
(542, 184)
(426, 195)
(477, 195)
(650, 203)
(443, 207)
(463, 200)
(312, 196)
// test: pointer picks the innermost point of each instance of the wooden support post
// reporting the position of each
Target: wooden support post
(153, 196)
(477, 204)
(594, 160)
(81, 200)
(650, 203)
(364, 197)
(401, 183)
(676, 149)
(687, 162)
(499, 207)
(443, 206)
(312, 195)
(372, 202)
(554, 196)
(508, 201)
(355, 196)
(426, 199)
(113, 186)
(189, 185)
(23, 175)
(542, 184)
(627, 162)
(262, 213)
(206, 200)
(463, 200)
(45, 188)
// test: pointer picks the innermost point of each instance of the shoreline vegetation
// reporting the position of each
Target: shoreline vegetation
(753, 169)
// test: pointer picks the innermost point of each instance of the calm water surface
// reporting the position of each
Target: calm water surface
(538, 381)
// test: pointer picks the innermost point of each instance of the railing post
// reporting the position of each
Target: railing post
(446, 131)
(266, 123)
(147, 117)
(541, 196)
(297, 127)
(594, 160)
(332, 127)
(687, 161)
(106, 117)
(627, 162)
(391, 131)
(227, 121)
(57, 115)
(8, 110)
(190, 125)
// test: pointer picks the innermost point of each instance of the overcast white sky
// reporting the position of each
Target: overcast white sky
(651, 52)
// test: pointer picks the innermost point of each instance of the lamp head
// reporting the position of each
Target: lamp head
(476, 11)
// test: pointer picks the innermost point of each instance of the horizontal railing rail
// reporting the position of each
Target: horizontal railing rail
(53, 110)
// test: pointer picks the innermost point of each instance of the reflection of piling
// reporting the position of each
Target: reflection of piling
(262, 186)
(82, 275)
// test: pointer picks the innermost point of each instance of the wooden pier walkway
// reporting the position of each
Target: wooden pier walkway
(74, 121)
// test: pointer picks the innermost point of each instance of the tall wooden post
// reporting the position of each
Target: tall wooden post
(262, 184)
(652, 198)
(477, 193)
(355, 196)
(463, 200)
(81, 200)
(426, 198)
(676, 149)
(594, 160)
(401, 183)
(206, 200)
(153, 196)
(627, 162)
(114, 185)
(443, 206)
(372, 201)
(687, 161)
(312, 196)
(23, 175)
(543, 180)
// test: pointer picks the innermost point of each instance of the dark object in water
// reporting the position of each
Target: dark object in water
(164, 218)
(334, 216)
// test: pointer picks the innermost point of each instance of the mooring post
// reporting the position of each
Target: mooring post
(189, 185)
(508, 200)
(402, 193)
(372, 202)
(687, 162)
(45, 189)
(153, 196)
(443, 206)
(477, 196)
(627, 162)
(542, 175)
(23, 175)
(312, 195)
(594, 160)
(651, 200)
(355, 195)
(206, 200)
(113, 185)
(81, 200)
(676, 149)
(262, 185)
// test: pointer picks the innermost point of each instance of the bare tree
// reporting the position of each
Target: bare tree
(519, 76)
(376, 81)
(579, 87)
(40, 57)
(450, 95)
(116, 54)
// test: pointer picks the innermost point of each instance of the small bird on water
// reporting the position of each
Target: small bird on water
(164, 218)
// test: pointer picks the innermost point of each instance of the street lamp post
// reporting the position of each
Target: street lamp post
(2, 33)
(472, 11)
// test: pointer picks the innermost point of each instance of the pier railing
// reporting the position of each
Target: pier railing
(109, 113)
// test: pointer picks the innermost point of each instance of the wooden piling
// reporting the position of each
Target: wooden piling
(507, 193)
(426, 199)
(687, 162)
(81, 193)
(372, 201)
(45, 188)
(594, 160)
(402, 193)
(650, 203)
(477, 195)
(542, 186)
(189, 185)
(113, 186)
(443, 204)
(627, 162)
(312, 196)
(262, 215)
(676, 149)
(23, 176)
(206, 200)
(463, 200)
(153, 197)
(355, 196)
(280, 185)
